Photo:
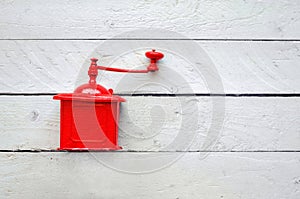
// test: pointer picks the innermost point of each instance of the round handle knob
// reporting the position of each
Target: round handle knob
(154, 55)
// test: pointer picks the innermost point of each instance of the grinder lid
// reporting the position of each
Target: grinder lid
(90, 92)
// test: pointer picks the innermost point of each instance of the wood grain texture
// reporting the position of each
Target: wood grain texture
(165, 123)
(83, 175)
(193, 19)
(188, 66)
(174, 147)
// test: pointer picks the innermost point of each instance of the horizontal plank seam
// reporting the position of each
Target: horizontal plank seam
(143, 151)
(176, 95)
(149, 39)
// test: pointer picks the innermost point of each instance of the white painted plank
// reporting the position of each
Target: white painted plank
(194, 19)
(188, 66)
(165, 123)
(105, 175)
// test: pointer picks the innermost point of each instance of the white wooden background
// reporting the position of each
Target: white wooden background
(254, 47)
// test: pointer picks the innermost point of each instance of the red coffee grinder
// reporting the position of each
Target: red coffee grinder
(89, 116)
